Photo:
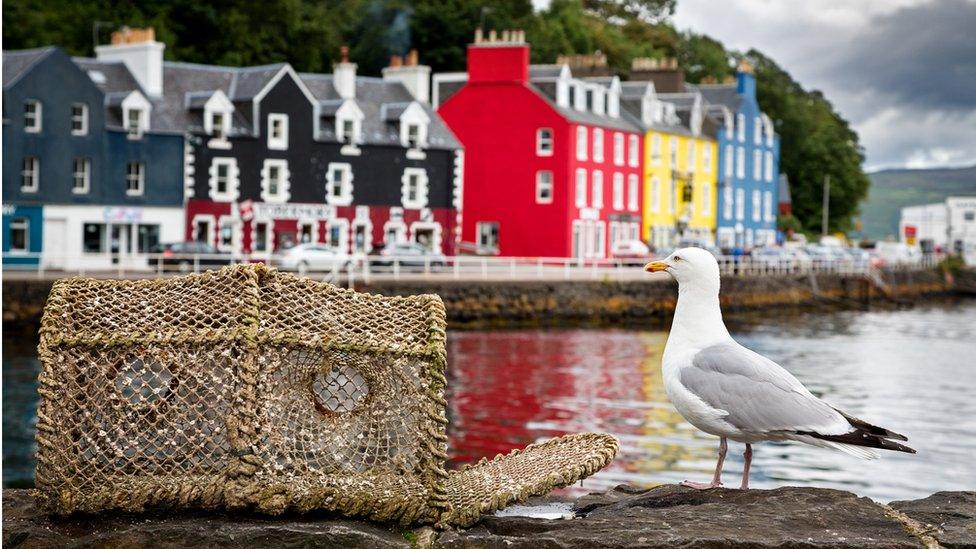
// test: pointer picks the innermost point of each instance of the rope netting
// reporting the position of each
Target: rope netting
(249, 388)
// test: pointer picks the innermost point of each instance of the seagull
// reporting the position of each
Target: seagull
(734, 393)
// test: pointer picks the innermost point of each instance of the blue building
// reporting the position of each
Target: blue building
(748, 163)
(87, 178)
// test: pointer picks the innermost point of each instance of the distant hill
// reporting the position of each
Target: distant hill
(892, 190)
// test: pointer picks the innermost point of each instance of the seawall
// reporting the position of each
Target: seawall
(597, 301)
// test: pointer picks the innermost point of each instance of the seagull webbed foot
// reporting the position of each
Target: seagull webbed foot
(701, 485)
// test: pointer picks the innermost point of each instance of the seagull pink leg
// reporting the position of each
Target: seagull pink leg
(723, 448)
(745, 470)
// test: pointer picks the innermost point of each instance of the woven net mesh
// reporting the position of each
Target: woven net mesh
(249, 388)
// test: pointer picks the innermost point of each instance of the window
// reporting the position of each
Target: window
(618, 191)
(20, 235)
(134, 122)
(580, 188)
(740, 162)
(543, 187)
(225, 236)
(706, 195)
(756, 206)
(674, 195)
(769, 132)
(224, 179)
(618, 148)
(414, 188)
(656, 150)
(413, 136)
(727, 202)
(79, 119)
(147, 237)
(275, 180)
(757, 128)
(81, 176)
(674, 153)
(768, 205)
(707, 158)
(93, 238)
(740, 204)
(757, 165)
(32, 116)
(217, 122)
(338, 185)
(597, 197)
(260, 238)
(691, 156)
(634, 153)
(655, 195)
(488, 235)
(30, 175)
(347, 132)
(769, 166)
(740, 126)
(633, 199)
(600, 239)
(597, 145)
(581, 143)
(278, 131)
(729, 160)
(135, 179)
(202, 228)
(543, 142)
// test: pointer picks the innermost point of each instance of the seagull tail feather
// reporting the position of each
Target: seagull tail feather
(872, 430)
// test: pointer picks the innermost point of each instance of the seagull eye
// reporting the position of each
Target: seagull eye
(676, 258)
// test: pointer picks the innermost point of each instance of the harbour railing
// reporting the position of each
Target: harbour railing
(366, 268)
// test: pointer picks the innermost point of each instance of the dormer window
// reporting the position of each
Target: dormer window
(133, 123)
(543, 142)
(413, 136)
(32, 116)
(135, 114)
(79, 119)
(278, 132)
(217, 125)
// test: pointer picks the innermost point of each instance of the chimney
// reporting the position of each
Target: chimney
(745, 79)
(141, 54)
(344, 75)
(414, 76)
(498, 57)
(664, 73)
(586, 64)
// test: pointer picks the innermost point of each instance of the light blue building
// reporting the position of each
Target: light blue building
(748, 178)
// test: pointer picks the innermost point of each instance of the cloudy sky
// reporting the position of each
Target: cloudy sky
(903, 72)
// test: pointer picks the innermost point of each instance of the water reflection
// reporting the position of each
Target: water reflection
(908, 370)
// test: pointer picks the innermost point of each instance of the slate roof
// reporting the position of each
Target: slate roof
(16, 63)
(545, 85)
(446, 89)
(718, 94)
(537, 72)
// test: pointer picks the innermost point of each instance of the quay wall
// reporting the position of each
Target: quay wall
(597, 301)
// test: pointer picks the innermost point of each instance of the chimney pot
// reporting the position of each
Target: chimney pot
(412, 58)
(492, 36)
(478, 35)
(396, 61)
(344, 54)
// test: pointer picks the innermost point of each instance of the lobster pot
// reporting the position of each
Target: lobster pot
(250, 388)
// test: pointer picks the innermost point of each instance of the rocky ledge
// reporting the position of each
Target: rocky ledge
(666, 516)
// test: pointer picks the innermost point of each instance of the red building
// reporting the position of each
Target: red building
(552, 166)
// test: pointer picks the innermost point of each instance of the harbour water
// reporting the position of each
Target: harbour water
(911, 370)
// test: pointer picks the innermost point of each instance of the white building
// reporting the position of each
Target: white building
(949, 225)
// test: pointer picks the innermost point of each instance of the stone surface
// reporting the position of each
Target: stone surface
(666, 516)
(951, 516)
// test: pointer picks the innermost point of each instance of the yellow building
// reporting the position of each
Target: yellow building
(680, 187)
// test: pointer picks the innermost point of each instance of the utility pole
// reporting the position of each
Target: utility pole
(826, 205)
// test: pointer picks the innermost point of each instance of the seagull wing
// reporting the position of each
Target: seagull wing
(759, 396)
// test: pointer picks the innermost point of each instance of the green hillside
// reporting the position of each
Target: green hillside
(892, 190)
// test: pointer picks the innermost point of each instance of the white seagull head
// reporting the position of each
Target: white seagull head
(691, 267)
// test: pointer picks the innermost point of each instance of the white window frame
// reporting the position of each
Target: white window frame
(707, 158)
(484, 233)
(598, 144)
(543, 182)
(420, 201)
(769, 166)
(600, 237)
(729, 202)
(596, 180)
(344, 226)
(581, 188)
(618, 191)
(656, 150)
(218, 131)
(740, 162)
(633, 153)
(757, 161)
(756, 205)
(211, 221)
(136, 129)
(345, 196)
(673, 145)
(581, 143)
(740, 204)
(618, 149)
(544, 140)
(633, 190)
(729, 160)
(81, 118)
(139, 178)
(232, 191)
(85, 174)
(278, 143)
(706, 198)
(740, 127)
(235, 233)
(655, 194)
(30, 168)
(20, 224)
(768, 205)
(284, 181)
(35, 117)
(757, 127)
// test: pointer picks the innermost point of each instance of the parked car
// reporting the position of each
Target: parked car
(311, 257)
(185, 256)
(896, 253)
(408, 254)
(630, 249)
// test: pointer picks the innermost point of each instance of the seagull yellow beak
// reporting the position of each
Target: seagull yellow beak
(655, 266)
